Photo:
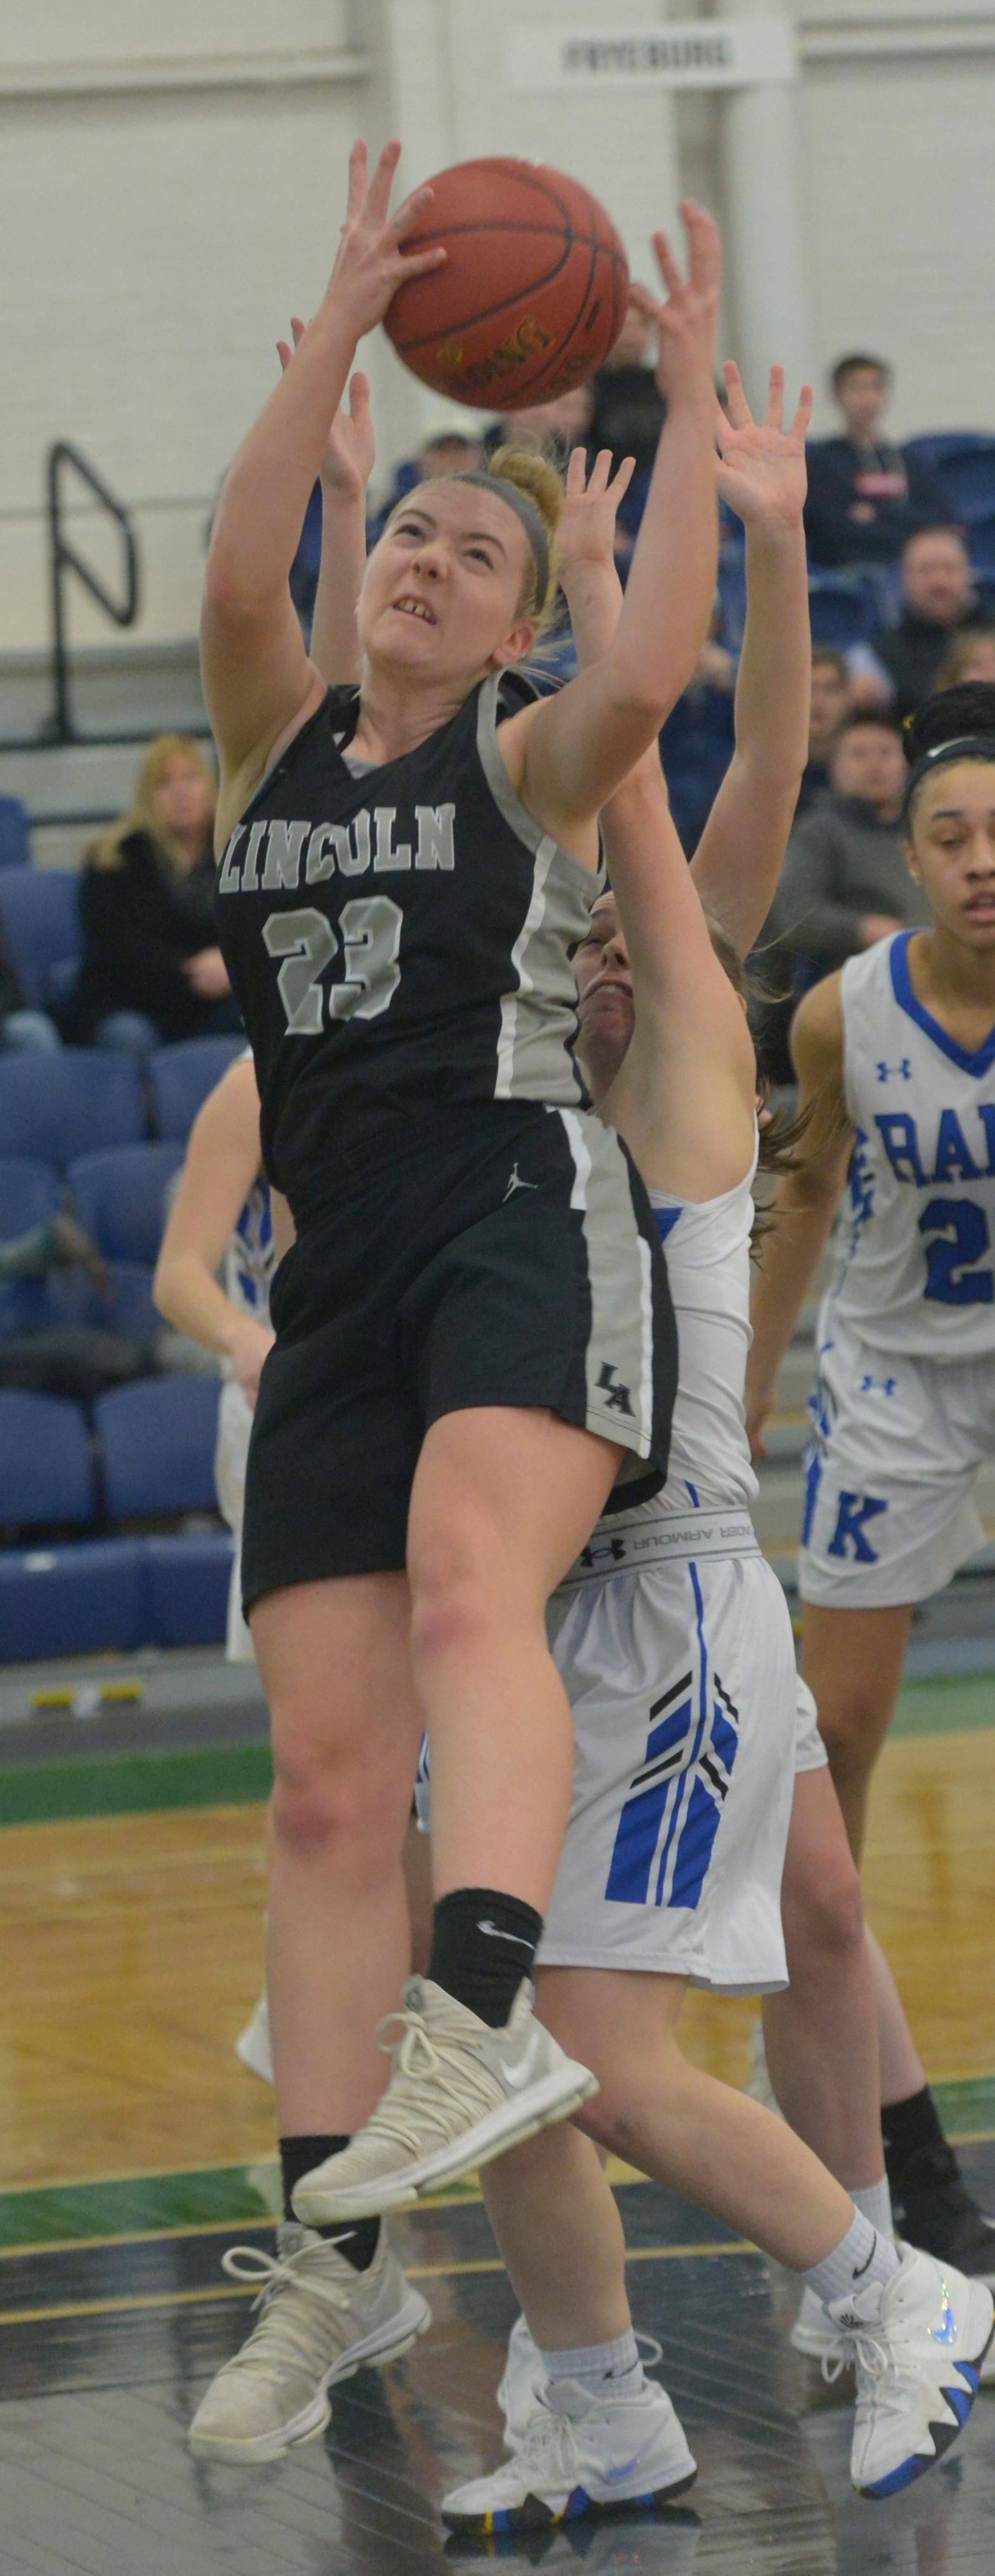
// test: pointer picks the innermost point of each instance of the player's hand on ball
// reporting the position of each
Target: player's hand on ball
(585, 530)
(349, 457)
(371, 263)
(686, 322)
(761, 465)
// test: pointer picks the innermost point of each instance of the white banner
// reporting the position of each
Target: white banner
(699, 53)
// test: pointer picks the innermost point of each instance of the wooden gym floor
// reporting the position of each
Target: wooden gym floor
(133, 2147)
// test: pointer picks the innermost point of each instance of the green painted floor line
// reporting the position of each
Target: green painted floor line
(945, 1704)
(142, 2205)
(135, 1783)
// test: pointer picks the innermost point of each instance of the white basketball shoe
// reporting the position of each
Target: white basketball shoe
(583, 2453)
(321, 2321)
(459, 2093)
(814, 2334)
(524, 2378)
(917, 2343)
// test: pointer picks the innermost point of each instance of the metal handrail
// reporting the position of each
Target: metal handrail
(63, 559)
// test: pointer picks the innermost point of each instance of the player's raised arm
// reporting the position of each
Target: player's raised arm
(805, 1199)
(761, 475)
(222, 1162)
(567, 756)
(257, 677)
(685, 1007)
(344, 473)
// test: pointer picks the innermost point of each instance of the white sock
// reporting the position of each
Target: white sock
(862, 2255)
(874, 2202)
(594, 2363)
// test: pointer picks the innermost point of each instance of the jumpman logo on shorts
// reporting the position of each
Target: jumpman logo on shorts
(514, 1183)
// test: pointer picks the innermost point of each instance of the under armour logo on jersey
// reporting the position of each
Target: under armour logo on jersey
(617, 1395)
(668, 1824)
(903, 1071)
(877, 1385)
(612, 1549)
(515, 1183)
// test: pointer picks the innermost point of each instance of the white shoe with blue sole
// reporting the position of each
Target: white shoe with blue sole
(582, 2454)
(917, 2344)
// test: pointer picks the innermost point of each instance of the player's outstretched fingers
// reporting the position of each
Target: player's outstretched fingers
(803, 415)
(774, 414)
(740, 415)
(576, 481)
(667, 264)
(378, 196)
(704, 242)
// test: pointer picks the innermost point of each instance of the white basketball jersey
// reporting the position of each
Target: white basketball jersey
(914, 1233)
(250, 1260)
(708, 1264)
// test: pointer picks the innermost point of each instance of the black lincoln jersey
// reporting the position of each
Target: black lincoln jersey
(398, 936)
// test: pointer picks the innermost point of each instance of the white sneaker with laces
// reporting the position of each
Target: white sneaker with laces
(917, 2343)
(524, 2378)
(581, 2454)
(814, 2334)
(459, 2093)
(252, 2046)
(321, 2320)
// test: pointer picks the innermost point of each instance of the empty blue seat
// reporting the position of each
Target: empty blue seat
(128, 1307)
(56, 1107)
(963, 461)
(844, 608)
(181, 1077)
(981, 540)
(189, 1579)
(78, 1599)
(39, 910)
(120, 1197)
(15, 839)
(45, 1465)
(157, 1438)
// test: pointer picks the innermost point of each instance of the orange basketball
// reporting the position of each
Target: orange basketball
(532, 295)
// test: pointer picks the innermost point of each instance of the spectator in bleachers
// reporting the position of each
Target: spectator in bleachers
(20, 1028)
(970, 657)
(629, 412)
(152, 970)
(845, 883)
(699, 738)
(865, 495)
(940, 602)
(830, 701)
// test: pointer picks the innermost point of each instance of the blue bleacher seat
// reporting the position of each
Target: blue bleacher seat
(157, 1438)
(128, 1307)
(15, 836)
(981, 539)
(120, 1197)
(963, 461)
(78, 1599)
(29, 1195)
(189, 1577)
(844, 608)
(39, 911)
(56, 1107)
(45, 1466)
(181, 1077)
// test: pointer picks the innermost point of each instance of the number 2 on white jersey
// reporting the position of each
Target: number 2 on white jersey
(306, 942)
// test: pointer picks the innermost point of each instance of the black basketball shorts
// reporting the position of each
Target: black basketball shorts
(483, 1253)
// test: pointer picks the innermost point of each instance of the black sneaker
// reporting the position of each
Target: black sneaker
(933, 2209)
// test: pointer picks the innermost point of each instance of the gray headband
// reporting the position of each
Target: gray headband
(528, 517)
(962, 746)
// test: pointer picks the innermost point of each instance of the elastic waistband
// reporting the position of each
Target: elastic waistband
(658, 1542)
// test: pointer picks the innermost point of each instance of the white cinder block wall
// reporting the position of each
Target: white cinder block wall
(172, 177)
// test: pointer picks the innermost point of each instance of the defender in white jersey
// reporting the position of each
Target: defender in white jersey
(896, 1064)
(674, 1642)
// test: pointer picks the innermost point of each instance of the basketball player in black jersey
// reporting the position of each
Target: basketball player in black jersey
(473, 1328)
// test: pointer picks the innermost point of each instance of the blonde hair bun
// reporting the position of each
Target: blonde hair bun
(534, 475)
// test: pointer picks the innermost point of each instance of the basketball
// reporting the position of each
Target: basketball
(533, 292)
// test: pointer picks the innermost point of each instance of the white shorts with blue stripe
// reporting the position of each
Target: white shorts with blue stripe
(682, 1685)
